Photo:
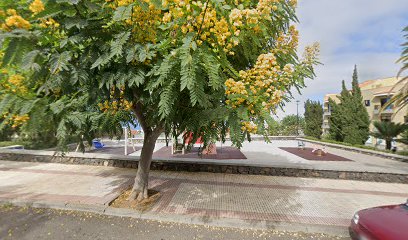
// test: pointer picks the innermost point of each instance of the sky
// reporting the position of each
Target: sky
(367, 33)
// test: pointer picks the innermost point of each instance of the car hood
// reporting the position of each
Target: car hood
(387, 222)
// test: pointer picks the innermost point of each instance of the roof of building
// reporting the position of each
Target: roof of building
(384, 91)
(390, 81)
(333, 96)
(366, 83)
(379, 87)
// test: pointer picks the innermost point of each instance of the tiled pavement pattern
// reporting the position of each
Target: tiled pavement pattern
(207, 195)
(302, 200)
(59, 183)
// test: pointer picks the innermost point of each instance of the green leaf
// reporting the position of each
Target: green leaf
(164, 71)
(157, 3)
(212, 67)
(59, 62)
(187, 67)
(123, 13)
(71, 2)
(131, 53)
(167, 99)
(101, 60)
(187, 72)
(142, 54)
(92, 7)
(117, 44)
(78, 75)
(144, 5)
(75, 22)
(136, 78)
(62, 131)
(16, 49)
(57, 107)
(28, 62)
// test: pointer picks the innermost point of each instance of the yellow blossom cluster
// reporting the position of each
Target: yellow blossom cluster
(15, 120)
(293, 3)
(210, 26)
(116, 104)
(265, 7)
(185, 16)
(249, 127)
(48, 23)
(13, 20)
(286, 42)
(251, 17)
(36, 7)
(14, 83)
(259, 88)
(311, 53)
(235, 87)
(144, 21)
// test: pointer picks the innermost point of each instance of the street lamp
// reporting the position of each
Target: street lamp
(297, 117)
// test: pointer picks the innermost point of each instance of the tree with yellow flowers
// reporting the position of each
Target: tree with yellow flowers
(208, 67)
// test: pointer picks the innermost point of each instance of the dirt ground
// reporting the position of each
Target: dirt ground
(35, 223)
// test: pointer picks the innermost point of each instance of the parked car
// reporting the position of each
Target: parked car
(380, 223)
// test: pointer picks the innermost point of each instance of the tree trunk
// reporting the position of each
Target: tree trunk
(139, 190)
(388, 144)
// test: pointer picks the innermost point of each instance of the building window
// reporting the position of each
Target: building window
(384, 101)
(367, 103)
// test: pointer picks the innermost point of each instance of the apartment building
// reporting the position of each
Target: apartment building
(375, 94)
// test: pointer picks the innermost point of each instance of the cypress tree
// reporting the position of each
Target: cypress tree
(339, 119)
(313, 118)
(349, 121)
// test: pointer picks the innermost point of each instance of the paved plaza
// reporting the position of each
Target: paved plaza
(267, 202)
(259, 153)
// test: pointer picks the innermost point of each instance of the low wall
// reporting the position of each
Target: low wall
(192, 166)
(359, 150)
(253, 138)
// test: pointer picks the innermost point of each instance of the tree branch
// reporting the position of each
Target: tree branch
(137, 109)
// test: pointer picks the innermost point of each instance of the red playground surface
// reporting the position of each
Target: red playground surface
(307, 154)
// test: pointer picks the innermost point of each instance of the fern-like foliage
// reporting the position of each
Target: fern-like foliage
(99, 54)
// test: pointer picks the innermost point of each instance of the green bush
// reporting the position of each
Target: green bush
(34, 145)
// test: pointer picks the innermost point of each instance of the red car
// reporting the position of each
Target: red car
(380, 223)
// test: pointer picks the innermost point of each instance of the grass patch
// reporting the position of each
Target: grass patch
(7, 206)
(11, 143)
(34, 145)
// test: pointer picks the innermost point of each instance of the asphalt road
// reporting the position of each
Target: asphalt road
(36, 223)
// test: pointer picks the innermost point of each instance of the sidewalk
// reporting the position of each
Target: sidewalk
(244, 201)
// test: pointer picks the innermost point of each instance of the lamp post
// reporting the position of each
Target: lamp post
(297, 117)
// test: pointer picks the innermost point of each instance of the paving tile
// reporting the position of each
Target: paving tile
(206, 195)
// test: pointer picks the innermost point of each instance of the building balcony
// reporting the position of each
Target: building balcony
(325, 125)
